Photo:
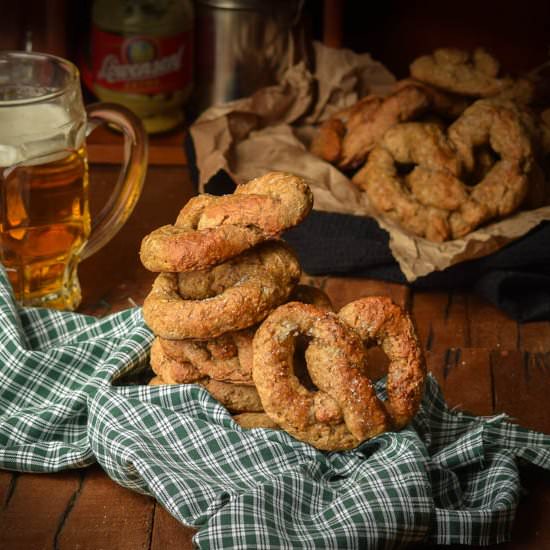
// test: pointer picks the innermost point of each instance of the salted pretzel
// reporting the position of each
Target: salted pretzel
(171, 368)
(346, 138)
(344, 410)
(236, 398)
(313, 295)
(477, 171)
(227, 358)
(458, 71)
(503, 127)
(347, 143)
(211, 229)
(378, 320)
(241, 293)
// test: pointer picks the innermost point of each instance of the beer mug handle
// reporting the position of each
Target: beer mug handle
(122, 201)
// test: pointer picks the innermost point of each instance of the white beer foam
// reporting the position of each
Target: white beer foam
(37, 133)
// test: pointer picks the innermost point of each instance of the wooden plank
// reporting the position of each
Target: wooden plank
(490, 327)
(7, 485)
(36, 509)
(106, 515)
(343, 290)
(535, 337)
(169, 532)
(521, 385)
(441, 320)
(465, 378)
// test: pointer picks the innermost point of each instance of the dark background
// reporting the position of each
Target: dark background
(393, 31)
(397, 31)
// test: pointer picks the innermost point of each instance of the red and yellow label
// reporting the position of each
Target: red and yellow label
(142, 64)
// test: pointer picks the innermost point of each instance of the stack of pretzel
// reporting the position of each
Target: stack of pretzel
(222, 271)
(454, 146)
(228, 314)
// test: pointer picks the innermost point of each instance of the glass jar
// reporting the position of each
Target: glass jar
(142, 57)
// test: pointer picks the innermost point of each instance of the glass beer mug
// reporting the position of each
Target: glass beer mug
(45, 224)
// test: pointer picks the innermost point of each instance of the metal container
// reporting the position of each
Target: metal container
(243, 45)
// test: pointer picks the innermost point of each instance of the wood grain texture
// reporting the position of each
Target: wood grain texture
(521, 387)
(489, 327)
(465, 378)
(7, 483)
(103, 514)
(441, 319)
(32, 516)
(169, 533)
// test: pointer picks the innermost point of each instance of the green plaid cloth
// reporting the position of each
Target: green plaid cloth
(448, 478)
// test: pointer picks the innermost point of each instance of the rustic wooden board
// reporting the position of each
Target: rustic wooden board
(489, 327)
(441, 320)
(535, 336)
(343, 290)
(521, 387)
(103, 514)
(7, 484)
(169, 533)
(35, 511)
(457, 369)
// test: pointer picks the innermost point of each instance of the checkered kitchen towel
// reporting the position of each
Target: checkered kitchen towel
(448, 478)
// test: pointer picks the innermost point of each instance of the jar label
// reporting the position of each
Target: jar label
(142, 64)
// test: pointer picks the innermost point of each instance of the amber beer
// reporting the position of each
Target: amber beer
(45, 226)
(44, 221)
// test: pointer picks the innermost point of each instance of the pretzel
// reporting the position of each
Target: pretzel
(236, 398)
(433, 200)
(156, 381)
(242, 293)
(378, 320)
(313, 295)
(344, 410)
(460, 72)
(251, 420)
(504, 127)
(171, 368)
(210, 229)
(227, 358)
(349, 135)
(365, 123)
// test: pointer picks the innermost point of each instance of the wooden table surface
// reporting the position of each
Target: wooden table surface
(485, 362)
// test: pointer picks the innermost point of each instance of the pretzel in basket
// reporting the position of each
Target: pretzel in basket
(460, 72)
(477, 171)
(346, 139)
(210, 229)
